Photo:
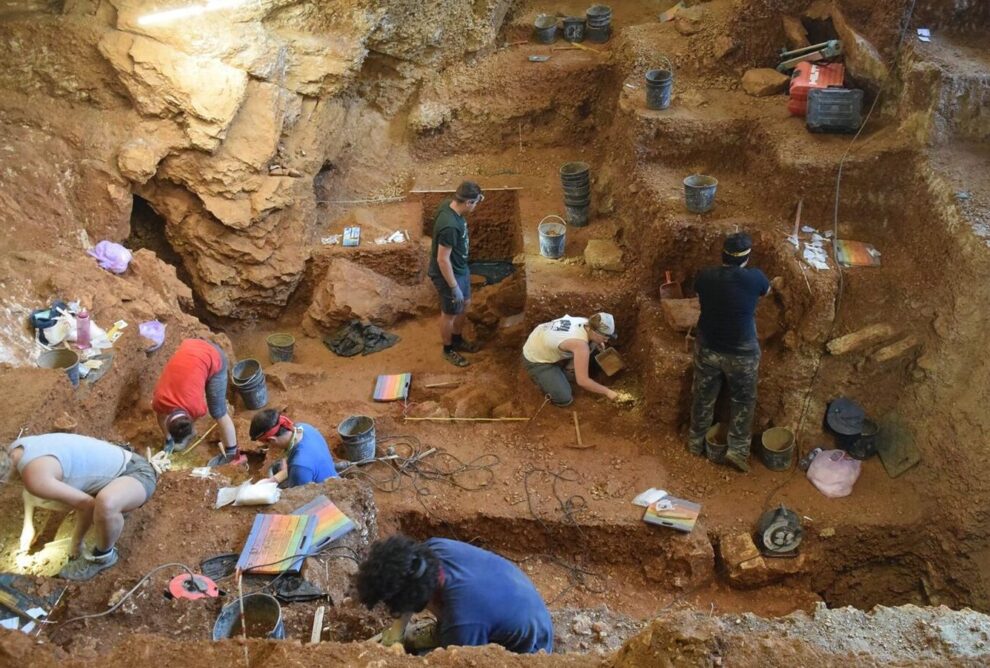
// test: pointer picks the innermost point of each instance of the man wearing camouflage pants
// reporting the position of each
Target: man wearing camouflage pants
(727, 346)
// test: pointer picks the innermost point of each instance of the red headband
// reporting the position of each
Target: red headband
(283, 422)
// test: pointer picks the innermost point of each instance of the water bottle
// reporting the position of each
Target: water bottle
(82, 330)
(805, 462)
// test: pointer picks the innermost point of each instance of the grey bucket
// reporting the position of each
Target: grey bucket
(577, 216)
(357, 434)
(553, 237)
(714, 450)
(61, 358)
(778, 448)
(249, 381)
(281, 347)
(545, 29)
(599, 18)
(699, 193)
(659, 87)
(574, 29)
(262, 618)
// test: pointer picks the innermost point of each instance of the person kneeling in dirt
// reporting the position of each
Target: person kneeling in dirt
(307, 455)
(567, 342)
(99, 480)
(194, 382)
(477, 596)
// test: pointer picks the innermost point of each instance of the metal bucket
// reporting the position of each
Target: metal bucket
(249, 381)
(778, 448)
(281, 347)
(714, 449)
(545, 29)
(659, 87)
(699, 193)
(262, 619)
(61, 358)
(574, 28)
(357, 434)
(552, 237)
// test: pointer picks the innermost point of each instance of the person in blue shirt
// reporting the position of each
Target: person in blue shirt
(477, 596)
(307, 455)
(727, 347)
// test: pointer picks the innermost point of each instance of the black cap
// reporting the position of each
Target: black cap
(845, 417)
(738, 245)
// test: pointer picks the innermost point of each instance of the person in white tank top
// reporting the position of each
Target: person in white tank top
(567, 338)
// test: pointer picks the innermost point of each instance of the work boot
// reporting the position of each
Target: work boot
(737, 460)
(466, 346)
(697, 450)
(454, 358)
(85, 566)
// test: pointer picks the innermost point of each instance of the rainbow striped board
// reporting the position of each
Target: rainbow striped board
(331, 522)
(274, 541)
(856, 253)
(392, 388)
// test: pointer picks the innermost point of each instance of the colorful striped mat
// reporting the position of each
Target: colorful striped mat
(331, 522)
(856, 253)
(273, 540)
(392, 388)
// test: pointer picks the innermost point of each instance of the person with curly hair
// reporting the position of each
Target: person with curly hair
(477, 596)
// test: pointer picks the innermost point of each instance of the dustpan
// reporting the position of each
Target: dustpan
(671, 289)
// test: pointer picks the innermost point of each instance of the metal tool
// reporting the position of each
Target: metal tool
(671, 289)
(538, 59)
(779, 532)
(812, 54)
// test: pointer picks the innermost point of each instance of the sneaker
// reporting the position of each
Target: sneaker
(466, 346)
(737, 461)
(223, 460)
(85, 566)
(454, 358)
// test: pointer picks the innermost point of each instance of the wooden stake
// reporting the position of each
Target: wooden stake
(449, 383)
(317, 632)
(466, 419)
(577, 429)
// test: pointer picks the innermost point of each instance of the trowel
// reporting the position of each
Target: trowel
(671, 289)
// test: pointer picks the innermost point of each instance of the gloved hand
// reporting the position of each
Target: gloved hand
(457, 295)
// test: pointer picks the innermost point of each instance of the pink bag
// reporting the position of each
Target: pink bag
(834, 473)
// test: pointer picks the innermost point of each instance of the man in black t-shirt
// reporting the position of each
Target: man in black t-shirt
(727, 346)
(449, 269)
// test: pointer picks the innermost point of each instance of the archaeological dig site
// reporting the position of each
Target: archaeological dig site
(494, 333)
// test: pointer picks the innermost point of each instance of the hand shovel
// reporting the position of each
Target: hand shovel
(671, 289)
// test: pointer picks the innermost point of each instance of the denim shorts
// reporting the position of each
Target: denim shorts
(447, 304)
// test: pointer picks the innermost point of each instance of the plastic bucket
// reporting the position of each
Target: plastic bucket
(552, 237)
(599, 19)
(281, 347)
(865, 445)
(699, 193)
(574, 29)
(545, 29)
(249, 381)
(577, 191)
(715, 443)
(357, 434)
(262, 619)
(778, 448)
(61, 358)
(577, 216)
(659, 86)
(574, 173)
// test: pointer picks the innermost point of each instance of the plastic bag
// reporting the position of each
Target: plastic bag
(154, 331)
(111, 256)
(834, 473)
(261, 493)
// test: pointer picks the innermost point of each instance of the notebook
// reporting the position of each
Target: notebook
(392, 387)
(273, 541)
(331, 522)
(673, 512)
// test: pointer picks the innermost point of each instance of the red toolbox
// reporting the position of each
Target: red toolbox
(812, 75)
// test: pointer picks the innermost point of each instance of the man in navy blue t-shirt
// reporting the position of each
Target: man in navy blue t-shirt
(477, 596)
(727, 346)
(307, 455)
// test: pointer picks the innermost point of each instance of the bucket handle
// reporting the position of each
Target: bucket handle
(562, 221)
(670, 66)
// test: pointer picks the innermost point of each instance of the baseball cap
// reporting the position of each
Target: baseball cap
(738, 244)
(603, 323)
(845, 417)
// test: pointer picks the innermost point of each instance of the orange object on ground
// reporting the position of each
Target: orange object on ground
(812, 75)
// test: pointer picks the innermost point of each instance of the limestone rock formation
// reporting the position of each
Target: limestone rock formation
(764, 81)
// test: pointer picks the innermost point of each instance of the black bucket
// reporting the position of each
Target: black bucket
(545, 29)
(574, 29)
(715, 443)
(249, 381)
(357, 434)
(262, 619)
(577, 202)
(599, 19)
(865, 445)
(659, 87)
(577, 191)
(699, 193)
(778, 448)
(575, 173)
(577, 216)
(281, 347)
(61, 358)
